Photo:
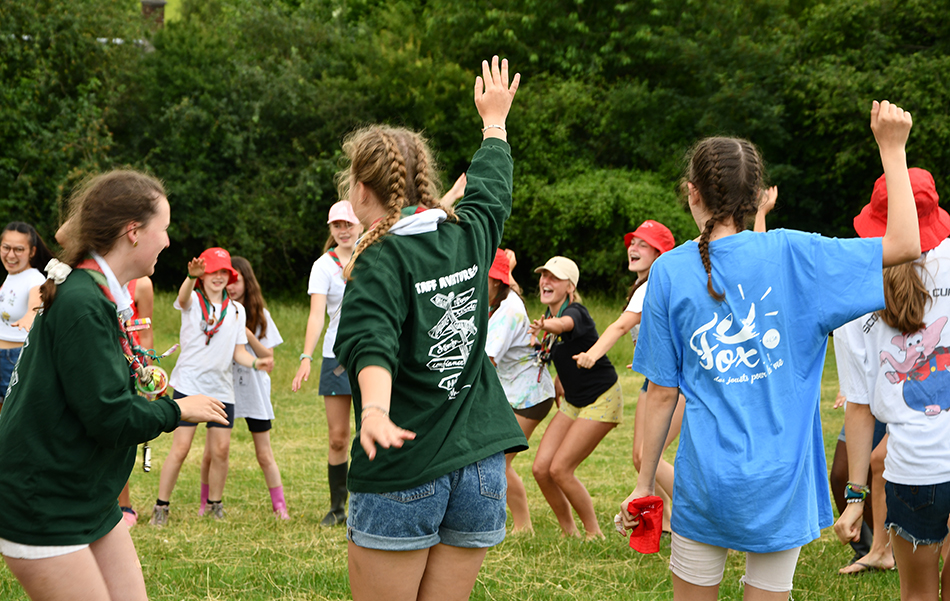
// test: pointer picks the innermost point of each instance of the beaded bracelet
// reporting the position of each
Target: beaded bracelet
(501, 127)
(856, 493)
(374, 407)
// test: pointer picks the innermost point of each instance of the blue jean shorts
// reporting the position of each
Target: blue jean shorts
(8, 359)
(918, 513)
(334, 380)
(464, 508)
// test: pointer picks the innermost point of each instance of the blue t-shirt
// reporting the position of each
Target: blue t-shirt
(750, 469)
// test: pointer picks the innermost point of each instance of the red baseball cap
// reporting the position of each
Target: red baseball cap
(934, 222)
(218, 258)
(500, 268)
(654, 233)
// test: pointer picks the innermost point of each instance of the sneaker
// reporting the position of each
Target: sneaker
(216, 510)
(159, 516)
(130, 516)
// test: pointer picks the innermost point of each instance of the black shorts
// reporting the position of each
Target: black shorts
(257, 425)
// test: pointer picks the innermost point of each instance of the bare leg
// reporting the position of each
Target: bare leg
(553, 436)
(919, 571)
(219, 439)
(181, 444)
(265, 458)
(108, 569)
(517, 495)
(450, 573)
(385, 575)
(684, 591)
(125, 499)
(581, 439)
(338, 424)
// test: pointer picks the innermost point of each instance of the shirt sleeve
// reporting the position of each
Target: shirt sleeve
(583, 323)
(852, 360)
(487, 199)
(372, 314)
(319, 278)
(501, 332)
(657, 356)
(101, 397)
(849, 278)
(273, 337)
(636, 301)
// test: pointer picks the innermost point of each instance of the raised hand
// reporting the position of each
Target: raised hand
(891, 125)
(196, 268)
(493, 96)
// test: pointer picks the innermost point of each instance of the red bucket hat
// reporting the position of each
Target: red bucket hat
(500, 268)
(934, 222)
(218, 258)
(655, 233)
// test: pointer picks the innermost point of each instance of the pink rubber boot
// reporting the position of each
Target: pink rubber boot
(204, 500)
(278, 502)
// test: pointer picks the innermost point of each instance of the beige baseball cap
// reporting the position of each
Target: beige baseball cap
(562, 268)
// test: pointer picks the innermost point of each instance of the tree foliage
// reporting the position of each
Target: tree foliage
(241, 105)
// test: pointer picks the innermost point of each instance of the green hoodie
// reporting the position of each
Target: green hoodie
(417, 305)
(71, 422)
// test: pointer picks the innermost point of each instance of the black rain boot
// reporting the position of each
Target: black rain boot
(336, 475)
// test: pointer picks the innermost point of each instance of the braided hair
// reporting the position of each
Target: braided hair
(727, 174)
(397, 165)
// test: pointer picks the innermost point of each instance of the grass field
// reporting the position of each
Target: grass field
(251, 555)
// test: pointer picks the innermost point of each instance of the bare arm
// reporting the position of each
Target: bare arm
(242, 357)
(662, 403)
(608, 339)
(766, 204)
(34, 301)
(891, 126)
(376, 385)
(859, 436)
(259, 349)
(552, 325)
(318, 309)
(196, 269)
(145, 302)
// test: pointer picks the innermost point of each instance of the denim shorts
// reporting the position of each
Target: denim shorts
(464, 508)
(334, 380)
(918, 513)
(8, 358)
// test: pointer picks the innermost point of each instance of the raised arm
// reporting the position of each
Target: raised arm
(891, 126)
(493, 96)
(196, 269)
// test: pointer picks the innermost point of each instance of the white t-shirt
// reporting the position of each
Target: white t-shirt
(326, 277)
(206, 368)
(906, 380)
(636, 306)
(252, 387)
(14, 301)
(509, 343)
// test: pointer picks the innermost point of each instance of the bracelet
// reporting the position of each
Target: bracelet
(501, 127)
(856, 493)
(375, 408)
(254, 364)
(192, 277)
(305, 356)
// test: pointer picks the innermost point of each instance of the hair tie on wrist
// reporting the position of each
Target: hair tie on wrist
(254, 364)
(192, 277)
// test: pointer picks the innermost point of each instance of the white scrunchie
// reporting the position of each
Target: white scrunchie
(57, 271)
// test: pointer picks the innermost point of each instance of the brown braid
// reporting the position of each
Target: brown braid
(425, 180)
(727, 174)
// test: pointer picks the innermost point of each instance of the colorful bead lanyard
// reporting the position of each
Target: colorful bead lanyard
(548, 340)
(209, 326)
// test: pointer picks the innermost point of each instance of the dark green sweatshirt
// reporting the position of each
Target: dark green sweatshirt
(71, 422)
(417, 305)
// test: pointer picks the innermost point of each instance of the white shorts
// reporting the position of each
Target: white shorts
(702, 565)
(18, 551)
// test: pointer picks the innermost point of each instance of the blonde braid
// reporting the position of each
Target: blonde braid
(423, 181)
(397, 174)
(371, 238)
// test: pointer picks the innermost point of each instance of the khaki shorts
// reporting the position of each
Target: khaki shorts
(608, 408)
